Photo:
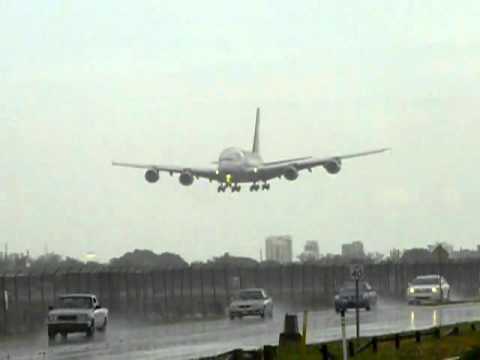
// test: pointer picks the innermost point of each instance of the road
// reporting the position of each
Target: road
(125, 340)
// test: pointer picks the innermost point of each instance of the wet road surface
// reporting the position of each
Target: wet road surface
(124, 340)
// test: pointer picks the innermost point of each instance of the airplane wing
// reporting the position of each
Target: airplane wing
(207, 173)
(278, 162)
(332, 164)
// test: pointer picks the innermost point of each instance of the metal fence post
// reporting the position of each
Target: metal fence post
(202, 294)
(127, 291)
(192, 303)
(303, 283)
(280, 279)
(154, 290)
(3, 289)
(213, 286)
(182, 285)
(144, 293)
(225, 281)
(165, 292)
(42, 289)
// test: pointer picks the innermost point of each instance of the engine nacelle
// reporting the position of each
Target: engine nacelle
(151, 175)
(186, 178)
(333, 167)
(291, 173)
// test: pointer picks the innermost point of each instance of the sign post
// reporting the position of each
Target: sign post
(344, 335)
(356, 271)
(442, 256)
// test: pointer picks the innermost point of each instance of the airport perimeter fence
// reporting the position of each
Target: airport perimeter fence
(196, 292)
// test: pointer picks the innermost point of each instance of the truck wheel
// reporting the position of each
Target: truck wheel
(91, 330)
(367, 307)
(64, 335)
(104, 326)
(51, 335)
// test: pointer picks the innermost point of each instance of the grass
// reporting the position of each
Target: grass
(429, 348)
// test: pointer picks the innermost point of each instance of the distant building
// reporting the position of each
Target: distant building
(279, 248)
(353, 250)
(310, 252)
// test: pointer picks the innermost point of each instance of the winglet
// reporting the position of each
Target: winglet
(256, 137)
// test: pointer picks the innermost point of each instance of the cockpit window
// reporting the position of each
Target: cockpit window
(231, 155)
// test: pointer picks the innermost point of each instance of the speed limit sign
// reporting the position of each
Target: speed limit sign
(356, 271)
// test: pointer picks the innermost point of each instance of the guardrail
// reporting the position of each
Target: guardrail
(271, 352)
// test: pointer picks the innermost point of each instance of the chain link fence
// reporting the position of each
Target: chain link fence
(197, 292)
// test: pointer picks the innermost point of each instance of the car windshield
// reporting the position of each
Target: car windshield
(426, 281)
(75, 302)
(350, 288)
(250, 295)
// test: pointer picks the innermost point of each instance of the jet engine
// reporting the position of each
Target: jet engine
(333, 167)
(186, 178)
(291, 173)
(151, 175)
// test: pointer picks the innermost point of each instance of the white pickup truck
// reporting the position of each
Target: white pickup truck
(76, 313)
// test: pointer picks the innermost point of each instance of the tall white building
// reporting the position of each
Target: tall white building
(353, 250)
(279, 248)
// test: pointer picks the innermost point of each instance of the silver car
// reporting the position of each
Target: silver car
(431, 288)
(249, 302)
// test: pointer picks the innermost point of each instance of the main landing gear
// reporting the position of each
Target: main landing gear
(256, 187)
(233, 188)
(238, 188)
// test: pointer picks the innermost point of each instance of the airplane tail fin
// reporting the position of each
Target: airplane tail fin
(256, 137)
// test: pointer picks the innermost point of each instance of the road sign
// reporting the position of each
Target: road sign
(356, 271)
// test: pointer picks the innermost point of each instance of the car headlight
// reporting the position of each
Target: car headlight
(434, 290)
(52, 318)
(411, 290)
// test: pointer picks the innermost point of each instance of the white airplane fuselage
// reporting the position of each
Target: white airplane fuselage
(236, 165)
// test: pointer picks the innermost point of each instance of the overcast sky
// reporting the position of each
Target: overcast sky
(87, 82)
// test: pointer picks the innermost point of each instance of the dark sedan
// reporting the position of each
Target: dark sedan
(346, 297)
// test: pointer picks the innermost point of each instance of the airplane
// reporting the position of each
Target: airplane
(236, 166)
